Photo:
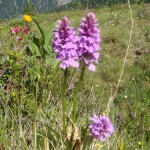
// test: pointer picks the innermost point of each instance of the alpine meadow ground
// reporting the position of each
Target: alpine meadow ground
(31, 83)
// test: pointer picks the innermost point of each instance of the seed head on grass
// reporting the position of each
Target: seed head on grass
(65, 44)
(100, 128)
(89, 42)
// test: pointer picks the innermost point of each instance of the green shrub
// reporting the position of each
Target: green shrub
(30, 9)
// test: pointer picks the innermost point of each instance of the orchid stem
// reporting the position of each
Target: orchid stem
(76, 92)
(63, 101)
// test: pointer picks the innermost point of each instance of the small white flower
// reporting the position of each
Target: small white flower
(125, 96)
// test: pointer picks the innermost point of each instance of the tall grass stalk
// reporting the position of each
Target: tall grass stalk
(124, 63)
(35, 136)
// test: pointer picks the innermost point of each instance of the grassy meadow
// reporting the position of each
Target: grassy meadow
(30, 87)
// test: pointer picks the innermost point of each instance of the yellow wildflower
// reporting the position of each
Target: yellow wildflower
(13, 94)
(27, 18)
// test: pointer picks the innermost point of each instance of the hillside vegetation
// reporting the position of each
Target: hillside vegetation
(30, 86)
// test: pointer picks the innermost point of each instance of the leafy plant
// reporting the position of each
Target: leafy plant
(40, 46)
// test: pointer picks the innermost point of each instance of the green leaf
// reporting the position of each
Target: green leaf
(35, 47)
(48, 49)
(48, 33)
(40, 29)
(45, 32)
(51, 60)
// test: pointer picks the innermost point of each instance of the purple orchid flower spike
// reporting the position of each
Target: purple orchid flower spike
(89, 42)
(100, 128)
(65, 44)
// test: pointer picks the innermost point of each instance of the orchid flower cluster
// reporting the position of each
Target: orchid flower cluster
(82, 46)
(71, 48)
(101, 127)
